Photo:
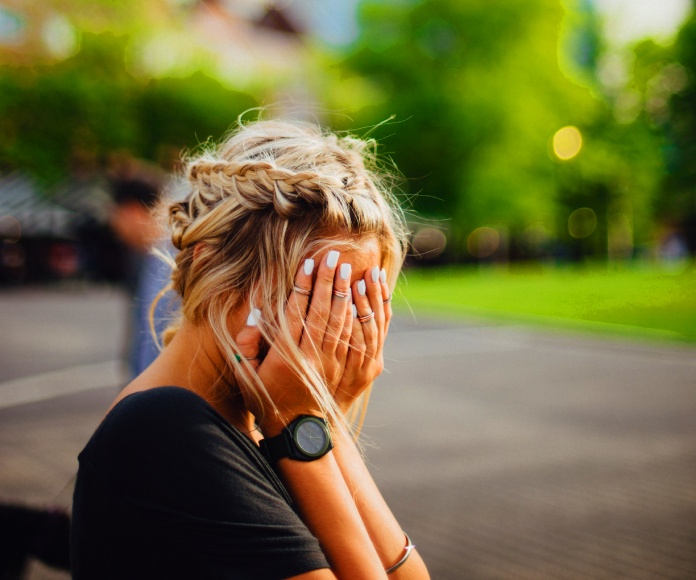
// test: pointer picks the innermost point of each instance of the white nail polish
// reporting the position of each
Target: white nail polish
(355, 311)
(375, 274)
(332, 259)
(383, 276)
(308, 266)
(361, 287)
(344, 271)
(254, 317)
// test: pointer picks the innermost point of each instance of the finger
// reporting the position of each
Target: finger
(320, 305)
(368, 326)
(374, 295)
(344, 339)
(386, 299)
(357, 348)
(339, 306)
(298, 301)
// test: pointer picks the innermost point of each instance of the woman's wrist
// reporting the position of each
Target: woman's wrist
(274, 423)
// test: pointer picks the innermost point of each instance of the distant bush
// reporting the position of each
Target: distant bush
(54, 118)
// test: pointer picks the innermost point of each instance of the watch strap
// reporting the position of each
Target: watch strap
(275, 448)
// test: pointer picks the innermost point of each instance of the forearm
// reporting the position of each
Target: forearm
(384, 531)
(325, 504)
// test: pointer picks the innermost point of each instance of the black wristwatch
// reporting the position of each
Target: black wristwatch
(306, 438)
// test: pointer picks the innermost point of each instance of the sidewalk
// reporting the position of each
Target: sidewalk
(504, 452)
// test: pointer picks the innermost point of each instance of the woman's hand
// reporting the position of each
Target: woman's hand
(365, 360)
(320, 323)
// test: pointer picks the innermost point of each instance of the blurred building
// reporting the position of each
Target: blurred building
(238, 41)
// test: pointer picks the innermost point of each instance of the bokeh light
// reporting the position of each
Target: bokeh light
(567, 142)
(59, 36)
(429, 243)
(483, 242)
(582, 222)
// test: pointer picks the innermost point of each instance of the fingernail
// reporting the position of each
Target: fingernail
(344, 272)
(361, 287)
(375, 274)
(332, 259)
(254, 317)
(383, 276)
(355, 311)
(308, 266)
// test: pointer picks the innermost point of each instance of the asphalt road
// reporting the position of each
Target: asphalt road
(504, 452)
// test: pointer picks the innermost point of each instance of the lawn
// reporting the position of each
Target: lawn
(640, 301)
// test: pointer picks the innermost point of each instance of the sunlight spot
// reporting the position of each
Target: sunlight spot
(567, 142)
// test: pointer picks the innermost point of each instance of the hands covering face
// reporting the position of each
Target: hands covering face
(340, 329)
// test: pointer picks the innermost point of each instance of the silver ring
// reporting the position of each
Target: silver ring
(366, 318)
(302, 291)
(239, 357)
(340, 294)
(387, 301)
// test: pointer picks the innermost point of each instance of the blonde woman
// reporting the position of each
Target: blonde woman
(231, 456)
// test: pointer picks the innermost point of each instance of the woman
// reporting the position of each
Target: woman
(231, 455)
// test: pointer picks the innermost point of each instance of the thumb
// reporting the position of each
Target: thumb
(249, 339)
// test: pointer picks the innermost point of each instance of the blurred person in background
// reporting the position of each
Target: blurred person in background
(146, 274)
(233, 454)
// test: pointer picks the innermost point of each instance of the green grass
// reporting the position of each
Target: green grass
(647, 302)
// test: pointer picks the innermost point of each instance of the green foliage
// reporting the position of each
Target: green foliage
(90, 105)
(478, 93)
(679, 202)
(178, 113)
(50, 113)
(664, 79)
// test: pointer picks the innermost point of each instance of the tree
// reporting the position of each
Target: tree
(478, 92)
(677, 80)
(90, 105)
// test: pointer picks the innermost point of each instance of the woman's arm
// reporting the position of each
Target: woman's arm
(385, 533)
(364, 363)
(335, 495)
(326, 506)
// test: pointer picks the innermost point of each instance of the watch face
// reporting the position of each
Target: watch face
(311, 437)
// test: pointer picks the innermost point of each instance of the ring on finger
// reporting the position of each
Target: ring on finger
(367, 317)
(302, 291)
(340, 294)
(387, 300)
(239, 357)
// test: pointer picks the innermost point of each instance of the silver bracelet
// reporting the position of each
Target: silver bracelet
(407, 552)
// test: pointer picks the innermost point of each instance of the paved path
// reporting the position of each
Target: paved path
(505, 452)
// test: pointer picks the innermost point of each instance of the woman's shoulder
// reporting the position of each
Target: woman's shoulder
(157, 400)
(167, 443)
(158, 409)
(155, 426)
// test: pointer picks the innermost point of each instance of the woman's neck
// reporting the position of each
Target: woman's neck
(193, 361)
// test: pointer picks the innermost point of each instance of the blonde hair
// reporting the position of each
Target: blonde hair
(269, 195)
